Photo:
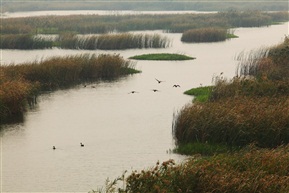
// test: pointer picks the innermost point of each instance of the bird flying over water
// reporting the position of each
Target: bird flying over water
(176, 85)
(159, 81)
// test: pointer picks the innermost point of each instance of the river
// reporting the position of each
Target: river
(120, 131)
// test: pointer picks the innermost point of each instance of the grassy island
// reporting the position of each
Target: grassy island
(207, 35)
(201, 94)
(162, 56)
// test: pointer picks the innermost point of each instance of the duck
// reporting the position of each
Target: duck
(155, 90)
(132, 92)
(81, 144)
(53, 147)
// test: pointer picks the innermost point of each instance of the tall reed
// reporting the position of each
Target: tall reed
(90, 42)
(13, 94)
(24, 41)
(89, 24)
(250, 108)
(250, 170)
(204, 35)
(236, 121)
(18, 83)
(118, 41)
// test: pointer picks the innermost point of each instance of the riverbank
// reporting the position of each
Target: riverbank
(20, 84)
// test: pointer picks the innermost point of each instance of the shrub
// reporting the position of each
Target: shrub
(204, 35)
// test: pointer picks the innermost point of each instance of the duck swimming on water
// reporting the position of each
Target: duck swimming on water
(132, 92)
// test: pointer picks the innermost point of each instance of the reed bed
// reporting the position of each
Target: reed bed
(13, 94)
(249, 170)
(24, 41)
(237, 121)
(73, 41)
(18, 83)
(91, 24)
(204, 35)
(250, 108)
(116, 41)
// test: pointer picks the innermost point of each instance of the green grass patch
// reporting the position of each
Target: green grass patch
(162, 56)
(201, 94)
(51, 30)
(229, 36)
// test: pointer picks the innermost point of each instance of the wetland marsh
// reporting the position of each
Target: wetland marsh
(120, 131)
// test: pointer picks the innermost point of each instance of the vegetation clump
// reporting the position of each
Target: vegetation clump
(250, 108)
(245, 171)
(100, 24)
(117, 41)
(19, 83)
(201, 94)
(24, 41)
(248, 170)
(205, 35)
(162, 56)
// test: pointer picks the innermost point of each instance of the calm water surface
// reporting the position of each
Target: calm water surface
(93, 12)
(120, 131)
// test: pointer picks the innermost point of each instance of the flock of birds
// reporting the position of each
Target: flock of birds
(155, 90)
(132, 92)
(81, 145)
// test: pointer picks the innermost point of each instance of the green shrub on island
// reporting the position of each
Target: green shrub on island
(201, 94)
(162, 56)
